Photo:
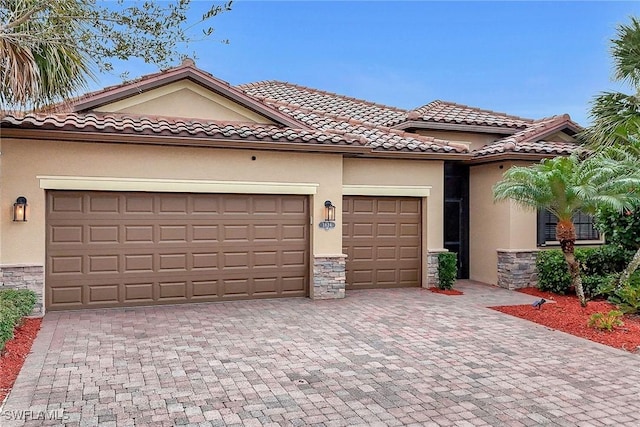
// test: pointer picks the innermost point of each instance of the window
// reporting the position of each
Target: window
(547, 227)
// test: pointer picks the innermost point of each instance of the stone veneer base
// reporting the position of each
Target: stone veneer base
(432, 267)
(329, 277)
(25, 277)
(517, 268)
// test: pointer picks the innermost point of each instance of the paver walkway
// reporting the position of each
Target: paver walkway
(379, 357)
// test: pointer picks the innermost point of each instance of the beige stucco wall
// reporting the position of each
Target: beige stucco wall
(386, 172)
(24, 160)
(184, 99)
(474, 140)
(494, 226)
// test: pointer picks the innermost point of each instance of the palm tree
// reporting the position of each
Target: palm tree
(616, 115)
(565, 186)
(40, 56)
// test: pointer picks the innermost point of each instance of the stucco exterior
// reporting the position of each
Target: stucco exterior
(493, 226)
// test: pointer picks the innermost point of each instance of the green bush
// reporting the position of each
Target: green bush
(553, 273)
(606, 321)
(603, 260)
(620, 229)
(14, 305)
(447, 269)
(627, 297)
(598, 285)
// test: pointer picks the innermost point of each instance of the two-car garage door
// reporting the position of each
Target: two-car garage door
(107, 249)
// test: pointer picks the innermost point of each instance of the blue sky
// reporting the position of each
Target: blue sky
(533, 59)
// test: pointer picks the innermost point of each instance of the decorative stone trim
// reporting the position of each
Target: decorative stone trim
(517, 268)
(329, 277)
(432, 267)
(25, 277)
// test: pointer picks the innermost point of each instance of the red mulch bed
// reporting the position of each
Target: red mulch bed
(446, 291)
(567, 315)
(15, 352)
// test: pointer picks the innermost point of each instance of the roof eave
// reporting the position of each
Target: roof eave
(511, 155)
(419, 124)
(181, 141)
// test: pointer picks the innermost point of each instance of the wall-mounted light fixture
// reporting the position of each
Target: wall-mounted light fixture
(20, 209)
(329, 216)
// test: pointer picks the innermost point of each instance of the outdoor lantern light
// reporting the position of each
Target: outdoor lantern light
(329, 216)
(20, 209)
(329, 211)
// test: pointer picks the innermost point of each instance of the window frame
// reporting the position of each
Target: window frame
(594, 237)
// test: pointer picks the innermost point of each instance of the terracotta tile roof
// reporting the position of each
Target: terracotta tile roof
(335, 113)
(327, 102)
(532, 139)
(147, 125)
(377, 137)
(450, 112)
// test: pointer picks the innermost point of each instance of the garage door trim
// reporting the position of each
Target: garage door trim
(84, 183)
(386, 190)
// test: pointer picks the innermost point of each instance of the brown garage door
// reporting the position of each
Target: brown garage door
(107, 249)
(381, 237)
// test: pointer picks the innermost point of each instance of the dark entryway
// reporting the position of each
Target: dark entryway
(456, 214)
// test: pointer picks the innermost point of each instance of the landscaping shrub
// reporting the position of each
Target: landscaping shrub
(606, 321)
(620, 229)
(598, 285)
(447, 269)
(553, 273)
(14, 305)
(627, 297)
(603, 260)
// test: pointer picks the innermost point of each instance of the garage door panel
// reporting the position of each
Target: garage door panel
(382, 240)
(172, 262)
(235, 233)
(207, 260)
(409, 230)
(103, 294)
(104, 234)
(172, 290)
(65, 264)
(66, 204)
(173, 204)
(236, 287)
(138, 292)
(138, 263)
(103, 264)
(173, 233)
(129, 249)
(294, 233)
(205, 233)
(66, 296)
(66, 234)
(139, 204)
(205, 204)
(138, 234)
(205, 289)
(104, 204)
(293, 285)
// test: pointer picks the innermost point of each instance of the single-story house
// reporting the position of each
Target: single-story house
(178, 187)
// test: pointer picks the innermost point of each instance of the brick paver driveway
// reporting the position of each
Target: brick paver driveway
(380, 357)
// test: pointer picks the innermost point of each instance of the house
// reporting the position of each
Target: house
(178, 187)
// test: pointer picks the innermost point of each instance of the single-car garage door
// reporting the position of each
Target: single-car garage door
(109, 249)
(381, 237)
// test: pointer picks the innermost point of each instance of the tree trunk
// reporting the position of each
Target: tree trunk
(629, 269)
(566, 235)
